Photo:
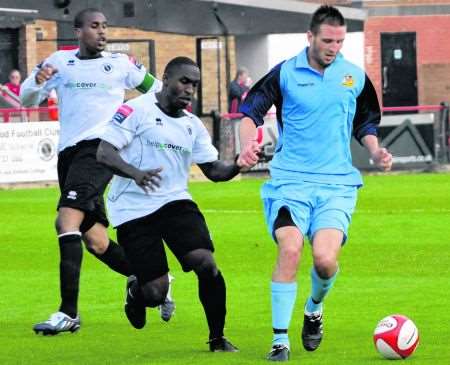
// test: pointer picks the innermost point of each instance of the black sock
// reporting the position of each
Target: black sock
(69, 272)
(136, 294)
(115, 258)
(212, 294)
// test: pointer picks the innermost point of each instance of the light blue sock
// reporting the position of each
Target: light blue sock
(319, 289)
(283, 301)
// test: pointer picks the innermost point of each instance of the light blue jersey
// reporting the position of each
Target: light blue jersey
(316, 117)
(317, 114)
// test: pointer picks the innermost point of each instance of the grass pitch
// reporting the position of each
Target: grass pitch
(396, 261)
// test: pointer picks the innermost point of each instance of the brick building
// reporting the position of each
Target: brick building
(407, 50)
(154, 31)
(407, 53)
(153, 49)
(217, 33)
(41, 37)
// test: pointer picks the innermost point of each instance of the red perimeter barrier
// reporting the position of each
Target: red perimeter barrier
(437, 140)
(412, 108)
(229, 116)
(34, 114)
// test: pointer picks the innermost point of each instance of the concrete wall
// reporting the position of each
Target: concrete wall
(260, 53)
(252, 52)
(284, 46)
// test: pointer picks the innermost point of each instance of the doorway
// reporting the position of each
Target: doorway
(399, 69)
(9, 45)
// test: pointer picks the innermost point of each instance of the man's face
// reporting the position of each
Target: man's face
(326, 44)
(243, 77)
(181, 84)
(14, 78)
(93, 32)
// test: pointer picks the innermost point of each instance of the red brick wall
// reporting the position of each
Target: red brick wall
(432, 45)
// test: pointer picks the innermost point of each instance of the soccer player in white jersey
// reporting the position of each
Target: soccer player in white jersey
(90, 84)
(153, 141)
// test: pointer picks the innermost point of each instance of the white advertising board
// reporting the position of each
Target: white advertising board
(28, 152)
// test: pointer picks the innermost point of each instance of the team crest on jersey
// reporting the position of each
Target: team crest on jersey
(348, 81)
(159, 122)
(107, 68)
(189, 129)
(122, 113)
(71, 63)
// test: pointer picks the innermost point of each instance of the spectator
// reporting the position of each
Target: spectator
(14, 82)
(10, 92)
(239, 88)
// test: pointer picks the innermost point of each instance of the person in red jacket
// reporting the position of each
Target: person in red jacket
(14, 82)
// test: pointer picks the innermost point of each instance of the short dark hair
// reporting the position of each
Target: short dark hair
(177, 62)
(78, 21)
(241, 70)
(326, 14)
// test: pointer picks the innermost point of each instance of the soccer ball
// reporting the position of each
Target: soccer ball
(396, 337)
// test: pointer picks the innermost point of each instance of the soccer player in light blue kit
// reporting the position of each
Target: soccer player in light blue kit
(321, 99)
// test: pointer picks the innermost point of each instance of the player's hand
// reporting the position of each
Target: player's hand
(382, 159)
(148, 180)
(249, 156)
(45, 73)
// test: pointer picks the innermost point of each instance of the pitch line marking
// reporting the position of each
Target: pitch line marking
(359, 211)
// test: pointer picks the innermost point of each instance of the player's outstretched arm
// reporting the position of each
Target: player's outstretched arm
(219, 170)
(31, 91)
(109, 155)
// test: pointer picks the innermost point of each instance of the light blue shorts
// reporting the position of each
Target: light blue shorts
(313, 206)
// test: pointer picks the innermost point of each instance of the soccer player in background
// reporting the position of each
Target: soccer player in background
(90, 84)
(321, 98)
(153, 141)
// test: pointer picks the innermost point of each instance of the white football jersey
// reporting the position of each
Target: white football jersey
(148, 139)
(89, 91)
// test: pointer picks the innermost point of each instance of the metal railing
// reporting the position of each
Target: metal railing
(225, 129)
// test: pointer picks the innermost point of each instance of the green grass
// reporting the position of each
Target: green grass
(396, 261)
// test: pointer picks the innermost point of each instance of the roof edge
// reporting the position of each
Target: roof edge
(294, 6)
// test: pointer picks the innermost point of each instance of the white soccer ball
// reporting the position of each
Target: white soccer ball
(396, 337)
